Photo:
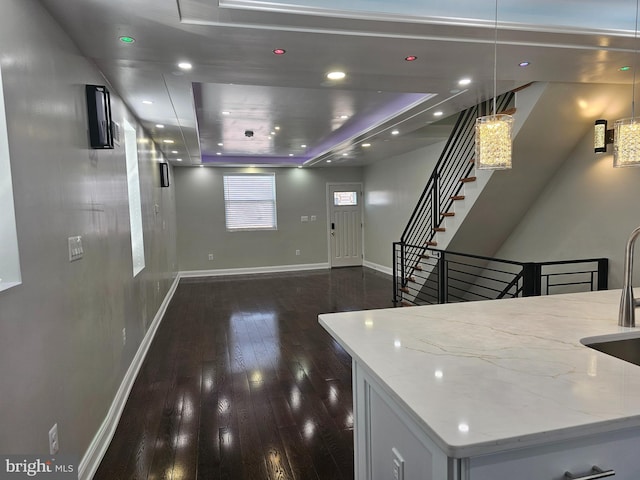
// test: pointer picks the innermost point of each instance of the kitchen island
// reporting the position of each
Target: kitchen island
(492, 390)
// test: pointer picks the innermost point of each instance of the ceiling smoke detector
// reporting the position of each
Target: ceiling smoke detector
(248, 133)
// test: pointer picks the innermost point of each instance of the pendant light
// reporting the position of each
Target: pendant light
(626, 144)
(494, 132)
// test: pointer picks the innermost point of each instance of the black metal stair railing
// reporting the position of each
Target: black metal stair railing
(442, 190)
(449, 277)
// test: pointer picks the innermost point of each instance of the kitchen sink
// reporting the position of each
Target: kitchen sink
(627, 349)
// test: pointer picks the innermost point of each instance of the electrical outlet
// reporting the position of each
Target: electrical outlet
(313, 218)
(124, 336)
(297, 252)
(54, 446)
(211, 256)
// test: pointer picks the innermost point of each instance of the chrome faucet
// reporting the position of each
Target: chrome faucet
(628, 304)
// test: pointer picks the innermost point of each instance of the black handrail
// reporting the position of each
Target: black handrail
(444, 276)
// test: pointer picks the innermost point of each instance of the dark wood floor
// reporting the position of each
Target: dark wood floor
(241, 382)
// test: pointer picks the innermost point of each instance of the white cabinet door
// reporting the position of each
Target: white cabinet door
(618, 451)
(384, 432)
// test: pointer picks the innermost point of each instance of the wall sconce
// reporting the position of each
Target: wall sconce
(164, 174)
(601, 136)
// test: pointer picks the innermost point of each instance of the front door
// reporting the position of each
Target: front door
(345, 224)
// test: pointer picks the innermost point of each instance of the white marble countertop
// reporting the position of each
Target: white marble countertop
(483, 377)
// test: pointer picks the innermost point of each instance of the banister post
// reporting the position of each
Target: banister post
(442, 279)
(531, 279)
(603, 274)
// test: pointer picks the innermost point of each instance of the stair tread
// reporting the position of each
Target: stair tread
(457, 197)
(468, 179)
(439, 229)
(404, 303)
(404, 289)
(432, 244)
(448, 214)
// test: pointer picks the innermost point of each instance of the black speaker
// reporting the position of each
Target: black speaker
(99, 111)
(164, 174)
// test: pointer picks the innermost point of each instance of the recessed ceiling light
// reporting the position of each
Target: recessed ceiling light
(218, 153)
(159, 125)
(273, 133)
(147, 102)
(277, 127)
(524, 64)
(279, 51)
(336, 75)
(178, 159)
(411, 58)
(174, 151)
(464, 81)
(395, 132)
(328, 161)
(366, 145)
(226, 113)
(185, 66)
(220, 144)
(168, 141)
(303, 146)
(291, 154)
(345, 154)
(344, 117)
(127, 39)
(437, 114)
(625, 68)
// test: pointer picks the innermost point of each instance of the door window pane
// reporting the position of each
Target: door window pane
(344, 199)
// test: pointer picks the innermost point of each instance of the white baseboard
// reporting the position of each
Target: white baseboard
(98, 447)
(379, 268)
(251, 270)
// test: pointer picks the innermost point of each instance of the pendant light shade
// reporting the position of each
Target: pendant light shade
(626, 142)
(626, 145)
(493, 142)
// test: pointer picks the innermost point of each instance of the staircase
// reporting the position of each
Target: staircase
(446, 187)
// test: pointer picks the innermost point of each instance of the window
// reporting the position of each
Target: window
(250, 202)
(135, 202)
(344, 199)
(10, 274)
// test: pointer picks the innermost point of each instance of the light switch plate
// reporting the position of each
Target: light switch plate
(76, 252)
(304, 218)
(398, 465)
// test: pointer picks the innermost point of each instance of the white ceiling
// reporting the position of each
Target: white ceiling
(230, 44)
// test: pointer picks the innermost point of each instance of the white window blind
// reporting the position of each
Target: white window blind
(250, 202)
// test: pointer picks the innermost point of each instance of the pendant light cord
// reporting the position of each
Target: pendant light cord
(495, 57)
(635, 65)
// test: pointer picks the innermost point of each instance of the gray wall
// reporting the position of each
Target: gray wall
(392, 189)
(201, 221)
(588, 209)
(61, 352)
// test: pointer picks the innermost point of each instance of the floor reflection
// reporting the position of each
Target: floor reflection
(242, 383)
